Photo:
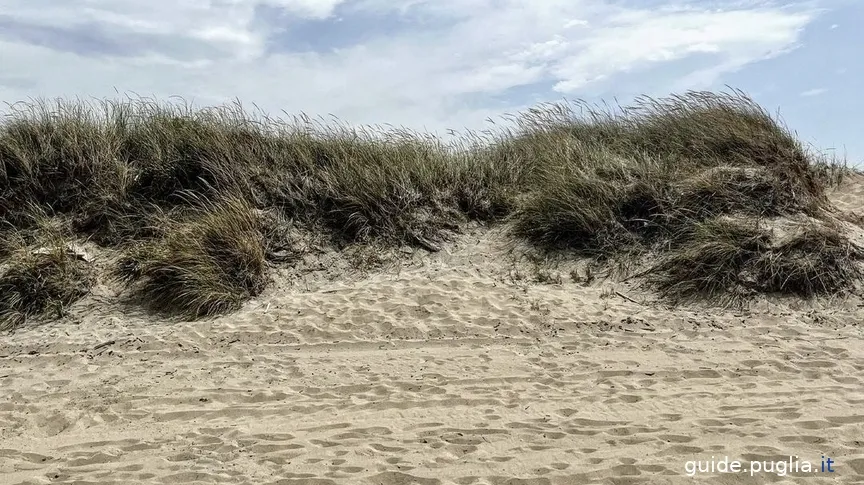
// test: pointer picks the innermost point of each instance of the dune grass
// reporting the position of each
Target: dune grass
(716, 260)
(691, 180)
(207, 263)
(815, 260)
(729, 260)
(182, 191)
(656, 167)
(41, 280)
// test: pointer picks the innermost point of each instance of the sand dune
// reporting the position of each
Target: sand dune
(449, 369)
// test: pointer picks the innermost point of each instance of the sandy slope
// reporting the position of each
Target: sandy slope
(450, 370)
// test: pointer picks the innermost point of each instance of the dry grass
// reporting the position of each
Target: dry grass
(152, 179)
(689, 179)
(715, 261)
(729, 260)
(41, 280)
(817, 259)
(648, 170)
(206, 265)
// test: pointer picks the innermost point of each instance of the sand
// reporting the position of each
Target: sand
(452, 368)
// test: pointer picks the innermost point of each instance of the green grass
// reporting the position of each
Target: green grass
(196, 197)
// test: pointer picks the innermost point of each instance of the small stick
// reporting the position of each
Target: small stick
(622, 295)
(104, 344)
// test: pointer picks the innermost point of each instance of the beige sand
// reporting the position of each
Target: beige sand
(450, 370)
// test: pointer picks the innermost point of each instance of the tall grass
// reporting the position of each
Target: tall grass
(728, 260)
(206, 264)
(664, 176)
(41, 279)
(153, 178)
(662, 162)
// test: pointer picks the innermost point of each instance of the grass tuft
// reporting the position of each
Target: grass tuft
(714, 262)
(207, 265)
(729, 260)
(41, 281)
(816, 260)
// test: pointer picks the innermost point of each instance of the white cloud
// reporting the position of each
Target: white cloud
(642, 38)
(215, 50)
(310, 8)
(814, 92)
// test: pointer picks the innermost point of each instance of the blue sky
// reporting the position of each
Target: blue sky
(442, 64)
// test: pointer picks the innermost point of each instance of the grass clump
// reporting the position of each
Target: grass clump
(207, 265)
(716, 261)
(575, 205)
(727, 189)
(393, 190)
(691, 179)
(728, 260)
(41, 281)
(109, 165)
(817, 259)
(660, 165)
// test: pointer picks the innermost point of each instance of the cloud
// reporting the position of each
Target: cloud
(814, 92)
(308, 8)
(423, 63)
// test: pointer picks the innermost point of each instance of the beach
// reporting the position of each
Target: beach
(445, 370)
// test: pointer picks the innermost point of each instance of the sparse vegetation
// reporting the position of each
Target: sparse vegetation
(201, 200)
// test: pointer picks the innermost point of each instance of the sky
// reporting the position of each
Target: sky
(437, 65)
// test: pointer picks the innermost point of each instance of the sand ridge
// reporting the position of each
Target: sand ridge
(448, 370)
